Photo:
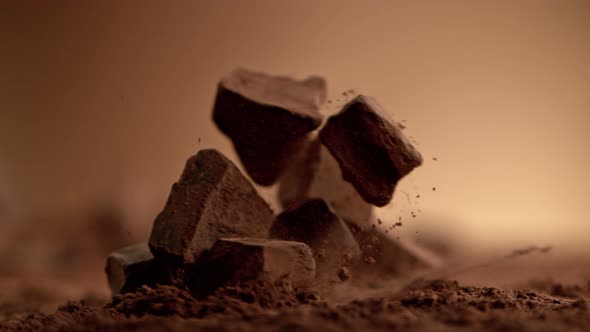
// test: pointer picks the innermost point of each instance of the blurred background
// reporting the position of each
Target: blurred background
(102, 102)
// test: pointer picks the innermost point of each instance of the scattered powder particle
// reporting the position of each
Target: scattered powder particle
(370, 260)
(343, 273)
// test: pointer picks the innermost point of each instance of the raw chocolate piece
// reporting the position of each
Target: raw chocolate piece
(315, 173)
(243, 259)
(371, 149)
(388, 255)
(267, 118)
(316, 225)
(211, 200)
(131, 267)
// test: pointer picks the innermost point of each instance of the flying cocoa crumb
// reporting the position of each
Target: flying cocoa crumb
(370, 260)
(321, 254)
(343, 273)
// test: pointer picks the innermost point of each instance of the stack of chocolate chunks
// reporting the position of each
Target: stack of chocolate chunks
(215, 229)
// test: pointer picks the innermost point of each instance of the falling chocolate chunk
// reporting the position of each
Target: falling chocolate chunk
(371, 150)
(315, 173)
(267, 118)
(315, 224)
(211, 200)
(233, 260)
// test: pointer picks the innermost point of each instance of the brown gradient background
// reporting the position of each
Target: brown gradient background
(105, 100)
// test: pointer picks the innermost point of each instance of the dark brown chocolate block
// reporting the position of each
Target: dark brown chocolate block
(267, 118)
(313, 172)
(131, 267)
(211, 200)
(234, 260)
(297, 179)
(315, 224)
(371, 150)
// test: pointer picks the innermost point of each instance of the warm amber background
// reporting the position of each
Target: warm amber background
(104, 101)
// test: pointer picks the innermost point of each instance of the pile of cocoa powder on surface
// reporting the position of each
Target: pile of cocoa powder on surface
(263, 306)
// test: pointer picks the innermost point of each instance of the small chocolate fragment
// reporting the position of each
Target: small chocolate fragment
(211, 200)
(316, 225)
(385, 255)
(267, 118)
(233, 260)
(371, 150)
(343, 273)
(315, 173)
(131, 267)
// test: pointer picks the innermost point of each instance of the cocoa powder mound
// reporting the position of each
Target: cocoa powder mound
(264, 306)
(238, 301)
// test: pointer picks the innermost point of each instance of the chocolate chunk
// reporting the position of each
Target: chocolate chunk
(131, 267)
(371, 149)
(315, 173)
(267, 118)
(316, 225)
(211, 200)
(234, 260)
(390, 256)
